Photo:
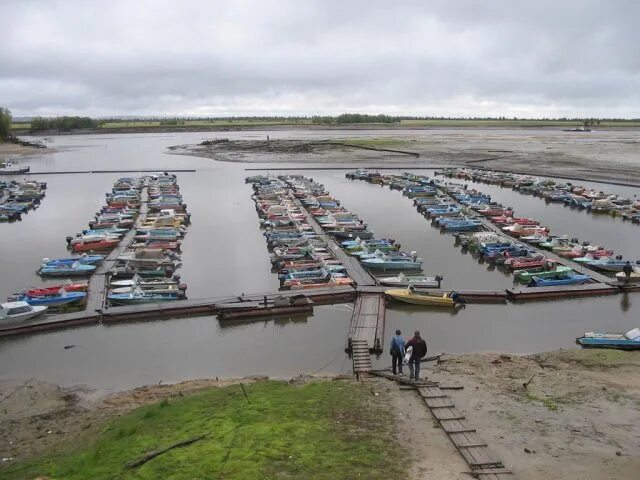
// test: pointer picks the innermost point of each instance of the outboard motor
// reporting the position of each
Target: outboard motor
(69, 240)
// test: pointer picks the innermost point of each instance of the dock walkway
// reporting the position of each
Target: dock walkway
(98, 282)
(366, 331)
(473, 449)
(355, 270)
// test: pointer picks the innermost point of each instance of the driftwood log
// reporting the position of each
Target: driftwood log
(153, 454)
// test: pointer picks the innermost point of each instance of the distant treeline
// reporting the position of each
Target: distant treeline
(355, 118)
(62, 123)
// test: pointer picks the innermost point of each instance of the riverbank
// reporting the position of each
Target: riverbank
(578, 417)
(601, 156)
(14, 150)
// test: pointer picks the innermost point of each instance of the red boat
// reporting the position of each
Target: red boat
(68, 287)
(95, 245)
(526, 262)
(601, 252)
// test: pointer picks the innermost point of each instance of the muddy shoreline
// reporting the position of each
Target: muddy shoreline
(578, 416)
(570, 157)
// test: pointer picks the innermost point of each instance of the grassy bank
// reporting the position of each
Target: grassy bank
(320, 430)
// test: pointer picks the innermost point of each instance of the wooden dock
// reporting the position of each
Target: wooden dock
(366, 331)
(597, 276)
(182, 308)
(566, 291)
(355, 270)
(474, 450)
(96, 293)
(143, 170)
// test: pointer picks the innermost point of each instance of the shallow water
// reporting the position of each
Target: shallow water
(224, 253)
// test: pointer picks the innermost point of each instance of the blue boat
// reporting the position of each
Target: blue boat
(619, 341)
(82, 259)
(75, 269)
(53, 300)
(560, 279)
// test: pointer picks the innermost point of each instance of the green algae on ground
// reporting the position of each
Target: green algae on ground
(320, 430)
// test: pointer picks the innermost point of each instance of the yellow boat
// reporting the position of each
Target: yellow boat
(416, 297)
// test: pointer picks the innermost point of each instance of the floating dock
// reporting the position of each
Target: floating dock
(366, 331)
(355, 270)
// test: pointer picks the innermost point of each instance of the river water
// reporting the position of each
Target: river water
(225, 253)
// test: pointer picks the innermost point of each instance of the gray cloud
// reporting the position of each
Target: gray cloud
(545, 58)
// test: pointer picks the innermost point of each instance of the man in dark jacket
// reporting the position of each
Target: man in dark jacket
(397, 352)
(627, 269)
(419, 350)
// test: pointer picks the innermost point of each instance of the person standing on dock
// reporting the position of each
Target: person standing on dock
(397, 352)
(419, 350)
(627, 269)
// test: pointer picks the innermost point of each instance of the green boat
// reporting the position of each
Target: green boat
(525, 276)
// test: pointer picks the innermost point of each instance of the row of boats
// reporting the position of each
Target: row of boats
(459, 210)
(17, 198)
(144, 272)
(301, 258)
(554, 191)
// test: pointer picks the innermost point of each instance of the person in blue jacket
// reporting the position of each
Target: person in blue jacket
(397, 352)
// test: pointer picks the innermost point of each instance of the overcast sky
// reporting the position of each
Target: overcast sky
(453, 57)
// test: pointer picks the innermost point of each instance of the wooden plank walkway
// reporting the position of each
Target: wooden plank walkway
(474, 450)
(355, 270)
(366, 331)
(97, 290)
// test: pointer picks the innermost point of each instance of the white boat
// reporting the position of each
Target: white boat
(18, 311)
(9, 168)
(402, 280)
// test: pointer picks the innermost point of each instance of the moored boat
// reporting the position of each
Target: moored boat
(619, 341)
(19, 311)
(417, 297)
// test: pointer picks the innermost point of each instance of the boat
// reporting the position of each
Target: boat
(607, 264)
(83, 259)
(58, 299)
(619, 341)
(417, 297)
(526, 276)
(75, 269)
(138, 296)
(559, 279)
(9, 168)
(101, 244)
(19, 311)
(55, 289)
(391, 262)
(633, 278)
(402, 280)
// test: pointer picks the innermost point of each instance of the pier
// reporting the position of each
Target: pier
(355, 270)
(143, 170)
(366, 331)
(556, 258)
(97, 290)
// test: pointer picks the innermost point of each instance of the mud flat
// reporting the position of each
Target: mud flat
(15, 150)
(579, 417)
(600, 155)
